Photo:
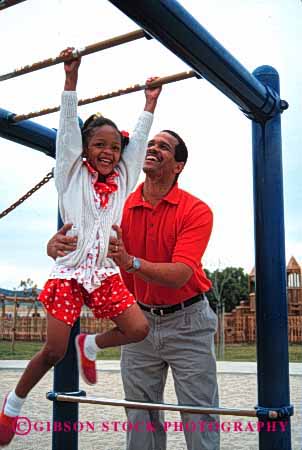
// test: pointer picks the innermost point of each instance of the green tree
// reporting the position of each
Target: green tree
(230, 286)
(29, 287)
(30, 290)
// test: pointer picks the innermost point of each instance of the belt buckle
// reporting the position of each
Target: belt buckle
(155, 313)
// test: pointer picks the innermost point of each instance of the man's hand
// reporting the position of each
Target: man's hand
(60, 244)
(117, 251)
(152, 95)
(71, 68)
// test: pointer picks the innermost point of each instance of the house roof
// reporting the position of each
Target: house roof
(293, 265)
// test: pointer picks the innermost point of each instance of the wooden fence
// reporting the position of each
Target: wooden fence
(34, 328)
(239, 330)
(242, 329)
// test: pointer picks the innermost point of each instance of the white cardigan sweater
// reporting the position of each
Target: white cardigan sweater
(75, 189)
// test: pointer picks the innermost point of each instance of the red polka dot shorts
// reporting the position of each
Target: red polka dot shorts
(63, 299)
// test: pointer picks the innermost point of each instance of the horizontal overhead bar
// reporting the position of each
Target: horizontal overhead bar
(137, 87)
(7, 3)
(151, 406)
(92, 48)
(180, 32)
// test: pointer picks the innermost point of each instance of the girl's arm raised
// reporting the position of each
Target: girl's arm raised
(69, 138)
(135, 152)
(71, 68)
(152, 95)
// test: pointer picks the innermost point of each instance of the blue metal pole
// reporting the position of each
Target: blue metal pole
(7, 3)
(271, 300)
(175, 28)
(28, 133)
(66, 378)
(65, 415)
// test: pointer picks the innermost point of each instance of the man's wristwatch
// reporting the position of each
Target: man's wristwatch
(136, 265)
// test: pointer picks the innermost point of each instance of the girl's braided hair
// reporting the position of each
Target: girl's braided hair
(97, 120)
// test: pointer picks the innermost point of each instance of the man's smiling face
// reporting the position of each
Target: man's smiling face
(160, 157)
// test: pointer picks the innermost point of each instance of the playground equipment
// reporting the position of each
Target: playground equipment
(257, 95)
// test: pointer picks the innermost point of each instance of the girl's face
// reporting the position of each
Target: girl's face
(103, 150)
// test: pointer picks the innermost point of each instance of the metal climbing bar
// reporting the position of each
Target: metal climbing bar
(80, 397)
(92, 48)
(135, 88)
(7, 3)
(150, 406)
(176, 29)
(34, 135)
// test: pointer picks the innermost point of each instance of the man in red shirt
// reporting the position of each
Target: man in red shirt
(159, 246)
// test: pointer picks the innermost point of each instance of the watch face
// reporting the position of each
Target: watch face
(136, 264)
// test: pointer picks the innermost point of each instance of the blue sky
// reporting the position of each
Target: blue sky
(219, 170)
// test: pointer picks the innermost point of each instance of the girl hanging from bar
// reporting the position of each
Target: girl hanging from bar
(96, 168)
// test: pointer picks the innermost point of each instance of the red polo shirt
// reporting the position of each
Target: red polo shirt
(177, 229)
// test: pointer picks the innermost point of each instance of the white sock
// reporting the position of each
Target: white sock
(90, 347)
(13, 404)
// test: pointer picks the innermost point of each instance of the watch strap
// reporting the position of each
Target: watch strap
(134, 266)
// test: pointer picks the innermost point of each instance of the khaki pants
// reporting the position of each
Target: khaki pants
(183, 341)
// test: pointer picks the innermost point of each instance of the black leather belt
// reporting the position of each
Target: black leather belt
(173, 308)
